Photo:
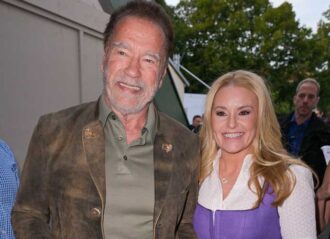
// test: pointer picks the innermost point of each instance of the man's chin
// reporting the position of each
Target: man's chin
(128, 109)
(304, 112)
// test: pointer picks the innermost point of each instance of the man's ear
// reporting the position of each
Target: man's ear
(102, 66)
(104, 61)
(162, 78)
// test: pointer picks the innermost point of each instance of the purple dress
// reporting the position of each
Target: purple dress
(258, 223)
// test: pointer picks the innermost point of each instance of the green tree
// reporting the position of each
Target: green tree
(217, 36)
(322, 64)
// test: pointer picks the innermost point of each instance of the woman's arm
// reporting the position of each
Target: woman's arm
(297, 214)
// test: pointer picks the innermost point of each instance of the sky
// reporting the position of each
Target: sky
(308, 12)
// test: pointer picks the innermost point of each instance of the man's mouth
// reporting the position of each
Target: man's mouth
(129, 86)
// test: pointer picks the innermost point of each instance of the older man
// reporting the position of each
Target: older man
(115, 168)
(303, 132)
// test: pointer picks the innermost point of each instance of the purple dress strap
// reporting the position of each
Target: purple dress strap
(261, 222)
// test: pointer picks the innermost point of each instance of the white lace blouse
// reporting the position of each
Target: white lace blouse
(297, 213)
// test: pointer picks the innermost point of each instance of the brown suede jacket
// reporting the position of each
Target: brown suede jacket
(62, 192)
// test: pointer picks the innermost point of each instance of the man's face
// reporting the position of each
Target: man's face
(197, 121)
(305, 100)
(133, 65)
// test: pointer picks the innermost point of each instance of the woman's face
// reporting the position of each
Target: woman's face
(234, 120)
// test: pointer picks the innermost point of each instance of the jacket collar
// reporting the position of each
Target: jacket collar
(163, 159)
(93, 146)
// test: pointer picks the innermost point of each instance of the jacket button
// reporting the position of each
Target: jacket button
(95, 212)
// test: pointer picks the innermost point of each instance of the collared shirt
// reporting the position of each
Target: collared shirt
(296, 135)
(296, 214)
(8, 187)
(129, 177)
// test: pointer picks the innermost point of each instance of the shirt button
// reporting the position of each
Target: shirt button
(125, 157)
(113, 116)
(95, 212)
(13, 167)
(120, 138)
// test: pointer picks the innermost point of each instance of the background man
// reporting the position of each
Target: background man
(303, 132)
(116, 168)
(196, 123)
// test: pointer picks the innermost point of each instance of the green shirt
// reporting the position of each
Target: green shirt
(130, 193)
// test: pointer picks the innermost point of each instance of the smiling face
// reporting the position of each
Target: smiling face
(234, 120)
(133, 65)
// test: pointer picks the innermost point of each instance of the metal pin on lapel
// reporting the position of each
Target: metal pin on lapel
(88, 133)
(167, 147)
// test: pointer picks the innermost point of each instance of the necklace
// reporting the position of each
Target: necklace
(224, 180)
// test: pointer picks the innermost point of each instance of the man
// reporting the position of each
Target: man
(303, 132)
(196, 124)
(9, 181)
(116, 168)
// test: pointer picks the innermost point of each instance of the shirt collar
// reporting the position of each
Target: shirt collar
(241, 196)
(293, 120)
(149, 127)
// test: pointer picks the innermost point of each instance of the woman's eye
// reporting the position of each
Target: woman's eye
(244, 112)
(220, 113)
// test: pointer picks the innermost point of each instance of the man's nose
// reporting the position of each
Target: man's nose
(133, 67)
(305, 99)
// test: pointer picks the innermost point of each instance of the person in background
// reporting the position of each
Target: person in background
(302, 129)
(118, 167)
(9, 181)
(249, 186)
(196, 123)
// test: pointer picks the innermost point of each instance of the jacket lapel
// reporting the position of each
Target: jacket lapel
(93, 141)
(163, 162)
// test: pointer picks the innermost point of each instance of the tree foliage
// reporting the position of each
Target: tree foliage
(217, 36)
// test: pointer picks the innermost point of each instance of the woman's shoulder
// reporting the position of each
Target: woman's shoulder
(302, 173)
(300, 169)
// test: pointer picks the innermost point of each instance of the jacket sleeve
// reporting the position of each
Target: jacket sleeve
(30, 215)
(186, 230)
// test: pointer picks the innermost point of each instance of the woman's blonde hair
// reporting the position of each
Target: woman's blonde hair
(270, 160)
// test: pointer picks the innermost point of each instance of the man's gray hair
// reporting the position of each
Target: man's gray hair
(309, 80)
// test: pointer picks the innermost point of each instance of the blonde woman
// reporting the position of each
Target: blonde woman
(249, 186)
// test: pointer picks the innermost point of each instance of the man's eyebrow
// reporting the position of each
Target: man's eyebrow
(124, 45)
(120, 44)
(154, 55)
